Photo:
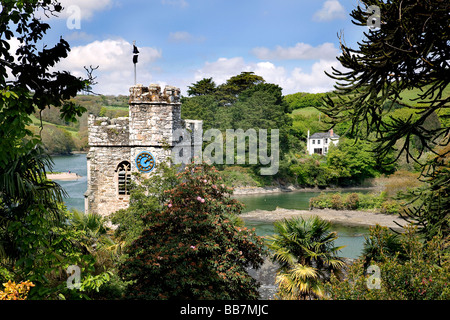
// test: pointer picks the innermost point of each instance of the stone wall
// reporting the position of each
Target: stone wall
(108, 132)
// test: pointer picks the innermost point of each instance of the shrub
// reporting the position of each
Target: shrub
(15, 291)
(351, 202)
(390, 207)
(336, 202)
(322, 201)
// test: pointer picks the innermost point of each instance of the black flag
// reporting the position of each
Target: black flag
(135, 54)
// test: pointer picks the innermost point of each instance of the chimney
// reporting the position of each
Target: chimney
(331, 132)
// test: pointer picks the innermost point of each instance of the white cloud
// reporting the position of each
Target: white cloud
(331, 9)
(292, 81)
(222, 69)
(114, 57)
(301, 51)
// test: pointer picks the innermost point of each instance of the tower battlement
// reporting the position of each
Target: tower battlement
(152, 94)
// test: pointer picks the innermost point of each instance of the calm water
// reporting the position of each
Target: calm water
(76, 188)
(351, 237)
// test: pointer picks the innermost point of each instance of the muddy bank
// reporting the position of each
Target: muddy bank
(346, 217)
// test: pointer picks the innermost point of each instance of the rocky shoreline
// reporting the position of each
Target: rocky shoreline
(243, 191)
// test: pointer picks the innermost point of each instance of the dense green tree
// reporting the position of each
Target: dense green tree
(202, 87)
(192, 249)
(228, 92)
(352, 161)
(203, 107)
(306, 254)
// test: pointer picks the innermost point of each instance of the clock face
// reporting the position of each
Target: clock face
(145, 161)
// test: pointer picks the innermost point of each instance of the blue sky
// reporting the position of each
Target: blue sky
(288, 42)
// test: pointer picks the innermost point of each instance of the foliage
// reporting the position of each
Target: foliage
(202, 87)
(348, 164)
(146, 195)
(13, 291)
(356, 201)
(311, 171)
(301, 100)
(380, 245)
(229, 92)
(192, 249)
(31, 86)
(307, 119)
(417, 271)
(429, 205)
(305, 252)
(40, 248)
(354, 160)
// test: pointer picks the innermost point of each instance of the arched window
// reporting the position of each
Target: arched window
(123, 178)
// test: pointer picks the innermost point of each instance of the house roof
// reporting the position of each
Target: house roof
(321, 135)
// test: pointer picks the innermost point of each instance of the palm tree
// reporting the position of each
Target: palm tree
(305, 252)
(97, 240)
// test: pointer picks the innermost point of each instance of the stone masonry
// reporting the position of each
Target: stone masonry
(115, 144)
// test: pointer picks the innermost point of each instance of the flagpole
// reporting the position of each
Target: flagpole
(134, 46)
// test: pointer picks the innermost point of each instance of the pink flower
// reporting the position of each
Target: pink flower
(169, 205)
(193, 247)
(199, 198)
(202, 201)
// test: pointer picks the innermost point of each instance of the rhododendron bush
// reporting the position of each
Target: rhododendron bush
(194, 248)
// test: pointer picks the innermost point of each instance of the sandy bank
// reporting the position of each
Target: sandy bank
(63, 176)
(347, 217)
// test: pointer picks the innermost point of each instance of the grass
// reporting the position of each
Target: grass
(307, 112)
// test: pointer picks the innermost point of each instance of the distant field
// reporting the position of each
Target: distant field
(308, 111)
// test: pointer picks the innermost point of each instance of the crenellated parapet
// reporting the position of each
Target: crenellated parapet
(153, 94)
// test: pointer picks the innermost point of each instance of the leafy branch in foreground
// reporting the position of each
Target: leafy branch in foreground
(409, 51)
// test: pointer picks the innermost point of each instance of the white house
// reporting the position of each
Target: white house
(319, 142)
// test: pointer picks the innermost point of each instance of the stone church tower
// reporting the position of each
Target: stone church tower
(138, 143)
